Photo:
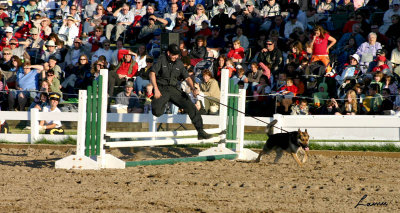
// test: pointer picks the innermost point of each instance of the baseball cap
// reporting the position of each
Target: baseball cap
(55, 96)
(380, 52)
(174, 49)
(129, 84)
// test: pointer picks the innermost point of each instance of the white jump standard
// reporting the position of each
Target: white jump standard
(93, 139)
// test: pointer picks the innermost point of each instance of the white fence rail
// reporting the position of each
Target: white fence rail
(320, 127)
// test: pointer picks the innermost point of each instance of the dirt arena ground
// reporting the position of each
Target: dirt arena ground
(327, 183)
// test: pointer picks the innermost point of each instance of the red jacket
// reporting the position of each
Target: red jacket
(292, 89)
(123, 67)
(22, 32)
(236, 53)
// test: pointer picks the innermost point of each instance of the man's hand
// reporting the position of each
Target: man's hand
(157, 93)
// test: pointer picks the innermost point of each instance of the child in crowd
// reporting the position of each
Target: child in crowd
(146, 97)
(230, 66)
(301, 108)
(241, 79)
(322, 95)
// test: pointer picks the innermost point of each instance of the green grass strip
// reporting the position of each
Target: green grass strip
(180, 160)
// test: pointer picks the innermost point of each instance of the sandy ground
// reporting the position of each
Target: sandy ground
(336, 183)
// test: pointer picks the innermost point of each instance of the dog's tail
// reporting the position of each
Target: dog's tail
(270, 127)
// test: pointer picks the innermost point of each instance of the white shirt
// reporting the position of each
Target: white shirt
(47, 5)
(141, 62)
(289, 27)
(129, 17)
(71, 33)
(49, 122)
(137, 12)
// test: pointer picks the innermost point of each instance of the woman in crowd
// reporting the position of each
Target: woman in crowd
(79, 72)
(390, 84)
(218, 66)
(21, 12)
(141, 57)
(197, 18)
(210, 88)
(320, 45)
(351, 105)
(142, 77)
(199, 50)
(95, 20)
(296, 53)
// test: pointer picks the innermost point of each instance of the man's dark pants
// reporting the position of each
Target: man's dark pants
(180, 99)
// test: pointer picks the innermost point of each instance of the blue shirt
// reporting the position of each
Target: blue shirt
(29, 81)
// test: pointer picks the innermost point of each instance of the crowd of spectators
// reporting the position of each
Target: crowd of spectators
(293, 57)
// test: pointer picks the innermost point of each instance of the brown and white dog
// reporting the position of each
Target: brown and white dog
(291, 142)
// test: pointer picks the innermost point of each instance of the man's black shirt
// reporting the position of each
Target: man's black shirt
(169, 73)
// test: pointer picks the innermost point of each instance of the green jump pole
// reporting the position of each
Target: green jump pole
(180, 160)
(88, 121)
(98, 123)
(235, 114)
(230, 135)
(93, 127)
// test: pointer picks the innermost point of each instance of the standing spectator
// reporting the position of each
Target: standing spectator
(124, 19)
(319, 45)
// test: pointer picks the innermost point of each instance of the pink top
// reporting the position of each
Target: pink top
(320, 45)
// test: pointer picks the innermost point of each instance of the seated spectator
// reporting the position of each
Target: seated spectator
(330, 108)
(241, 79)
(32, 6)
(395, 57)
(44, 27)
(218, 66)
(350, 70)
(262, 103)
(296, 53)
(387, 17)
(367, 50)
(73, 12)
(387, 103)
(34, 45)
(222, 19)
(288, 91)
(222, 4)
(52, 65)
(42, 98)
(244, 41)
(142, 78)
(5, 41)
(27, 85)
(229, 65)
(18, 50)
(271, 57)
(237, 52)
(54, 82)
(146, 98)
(21, 29)
(199, 50)
(350, 105)
(142, 55)
(63, 9)
(205, 30)
(46, 5)
(215, 42)
(52, 127)
(380, 60)
(390, 83)
(197, 97)
(270, 10)
(378, 77)
(76, 76)
(376, 100)
(298, 82)
(5, 61)
(254, 76)
(345, 52)
(126, 68)
(393, 32)
(124, 19)
(147, 31)
(51, 51)
(198, 18)
(97, 39)
(301, 108)
(73, 55)
(138, 9)
(11, 74)
(154, 45)
(104, 50)
(69, 30)
(94, 21)
(292, 24)
(210, 88)
(114, 58)
(346, 6)
(324, 7)
(129, 98)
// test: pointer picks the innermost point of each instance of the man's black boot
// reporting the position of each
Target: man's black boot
(203, 135)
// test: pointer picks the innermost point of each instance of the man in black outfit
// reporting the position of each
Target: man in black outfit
(165, 77)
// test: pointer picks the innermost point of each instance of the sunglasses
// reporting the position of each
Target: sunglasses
(13, 44)
(6, 53)
(107, 45)
(269, 43)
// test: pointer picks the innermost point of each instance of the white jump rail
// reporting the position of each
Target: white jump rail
(158, 134)
(161, 142)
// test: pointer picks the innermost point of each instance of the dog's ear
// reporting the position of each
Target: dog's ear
(305, 130)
